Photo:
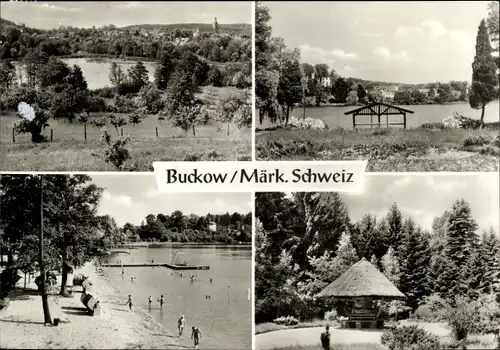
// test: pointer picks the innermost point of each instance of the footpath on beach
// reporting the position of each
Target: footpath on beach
(22, 325)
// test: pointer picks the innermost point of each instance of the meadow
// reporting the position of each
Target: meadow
(151, 140)
(387, 150)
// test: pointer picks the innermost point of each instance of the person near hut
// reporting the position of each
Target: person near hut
(196, 336)
(325, 338)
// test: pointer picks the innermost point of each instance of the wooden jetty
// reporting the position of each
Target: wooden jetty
(170, 266)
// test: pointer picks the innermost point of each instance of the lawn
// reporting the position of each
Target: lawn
(387, 150)
(334, 346)
(271, 327)
(67, 149)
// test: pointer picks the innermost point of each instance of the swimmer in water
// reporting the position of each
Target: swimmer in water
(210, 280)
(181, 274)
(196, 336)
(181, 323)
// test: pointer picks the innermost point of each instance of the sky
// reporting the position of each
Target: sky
(130, 198)
(405, 42)
(47, 15)
(423, 197)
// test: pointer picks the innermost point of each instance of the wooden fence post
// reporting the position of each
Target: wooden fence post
(14, 134)
(156, 131)
(85, 131)
(51, 134)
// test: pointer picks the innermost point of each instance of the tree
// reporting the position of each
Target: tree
(361, 93)
(116, 74)
(352, 98)
(138, 75)
(413, 281)
(461, 241)
(444, 93)
(290, 87)
(395, 229)
(235, 108)
(484, 78)
(34, 121)
(493, 23)
(7, 75)
(183, 109)
(320, 71)
(390, 267)
(164, 68)
(341, 90)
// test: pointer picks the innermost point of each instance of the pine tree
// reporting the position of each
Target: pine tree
(395, 229)
(490, 249)
(484, 77)
(390, 267)
(414, 282)
(461, 243)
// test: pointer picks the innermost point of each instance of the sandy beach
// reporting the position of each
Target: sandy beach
(22, 325)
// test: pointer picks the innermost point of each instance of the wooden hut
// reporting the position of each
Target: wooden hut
(363, 287)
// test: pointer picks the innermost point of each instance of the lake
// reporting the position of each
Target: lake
(96, 71)
(225, 319)
(334, 116)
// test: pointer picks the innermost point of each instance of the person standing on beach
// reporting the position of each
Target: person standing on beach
(150, 300)
(196, 336)
(130, 303)
(161, 301)
(180, 324)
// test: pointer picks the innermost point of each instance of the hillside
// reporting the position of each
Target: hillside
(234, 28)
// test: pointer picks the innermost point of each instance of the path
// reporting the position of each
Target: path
(311, 336)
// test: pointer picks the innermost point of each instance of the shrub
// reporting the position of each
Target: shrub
(437, 125)
(34, 120)
(307, 123)
(286, 321)
(82, 117)
(135, 118)
(116, 153)
(496, 141)
(105, 92)
(410, 338)
(96, 104)
(463, 318)
(99, 123)
(331, 315)
(193, 157)
(117, 122)
(477, 140)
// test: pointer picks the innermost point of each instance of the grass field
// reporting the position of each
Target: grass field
(151, 140)
(387, 150)
(335, 346)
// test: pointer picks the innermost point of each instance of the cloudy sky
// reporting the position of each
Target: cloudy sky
(424, 197)
(46, 15)
(408, 42)
(129, 198)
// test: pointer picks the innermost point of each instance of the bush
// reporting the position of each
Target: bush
(437, 125)
(105, 92)
(331, 315)
(463, 318)
(307, 123)
(410, 338)
(433, 309)
(478, 140)
(116, 153)
(286, 321)
(97, 104)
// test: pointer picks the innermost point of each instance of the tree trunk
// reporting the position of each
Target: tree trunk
(194, 131)
(117, 132)
(261, 116)
(304, 113)
(482, 115)
(45, 301)
(25, 280)
(64, 278)
(10, 258)
(228, 124)
(287, 115)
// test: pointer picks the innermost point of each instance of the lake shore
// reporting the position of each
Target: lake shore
(387, 150)
(115, 328)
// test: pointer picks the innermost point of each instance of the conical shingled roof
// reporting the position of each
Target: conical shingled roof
(361, 280)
